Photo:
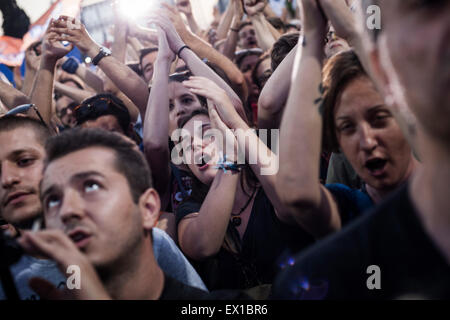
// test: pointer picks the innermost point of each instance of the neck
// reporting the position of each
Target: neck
(429, 192)
(139, 278)
(377, 195)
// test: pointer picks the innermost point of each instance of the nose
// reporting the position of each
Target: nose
(367, 138)
(71, 206)
(9, 176)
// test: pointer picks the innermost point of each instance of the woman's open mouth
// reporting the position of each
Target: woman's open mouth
(376, 166)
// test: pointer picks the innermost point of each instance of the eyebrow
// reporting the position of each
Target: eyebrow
(76, 177)
(372, 109)
(20, 151)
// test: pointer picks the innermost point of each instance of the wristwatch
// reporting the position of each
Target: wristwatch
(104, 52)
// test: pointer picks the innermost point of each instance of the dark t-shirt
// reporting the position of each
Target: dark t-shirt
(175, 290)
(390, 237)
(352, 203)
(265, 240)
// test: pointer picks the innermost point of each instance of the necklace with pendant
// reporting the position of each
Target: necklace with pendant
(236, 220)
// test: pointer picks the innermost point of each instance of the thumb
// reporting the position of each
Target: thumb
(46, 290)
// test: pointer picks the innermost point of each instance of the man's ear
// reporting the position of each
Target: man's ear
(150, 207)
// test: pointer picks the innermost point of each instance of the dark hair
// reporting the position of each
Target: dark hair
(199, 189)
(145, 52)
(241, 55)
(282, 47)
(12, 122)
(244, 24)
(129, 161)
(136, 67)
(338, 72)
(116, 108)
(277, 23)
(255, 71)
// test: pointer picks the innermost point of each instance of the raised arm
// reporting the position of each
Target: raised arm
(344, 23)
(202, 50)
(201, 234)
(194, 63)
(273, 97)
(309, 203)
(185, 7)
(42, 92)
(32, 61)
(225, 20)
(133, 86)
(263, 161)
(76, 94)
(264, 35)
(229, 48)
(10, 96)
(156, 120)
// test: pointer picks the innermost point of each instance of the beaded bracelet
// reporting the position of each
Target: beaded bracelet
(225, 165)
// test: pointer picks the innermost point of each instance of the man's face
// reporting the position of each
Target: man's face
(247, 37)
(414, 50)
(64, 111)
(147, 65)
(85, 196)
(21, 164)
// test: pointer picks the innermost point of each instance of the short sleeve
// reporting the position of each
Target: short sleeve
(185, 208)
(351, 202)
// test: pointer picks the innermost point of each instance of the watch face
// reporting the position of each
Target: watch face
(106, 51)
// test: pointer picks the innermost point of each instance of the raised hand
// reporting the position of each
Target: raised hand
(72, 30)
(160, 19)
(210, 90)
(55, 245)
(31, 58)
(52, 48)
(254, 7)
(164, 51)
(184, 6)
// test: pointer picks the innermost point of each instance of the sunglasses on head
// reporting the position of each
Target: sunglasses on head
(95, 109)
(23, 109)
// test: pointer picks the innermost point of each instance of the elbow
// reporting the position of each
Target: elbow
(266, 104)
(298, 196)
(200, 250)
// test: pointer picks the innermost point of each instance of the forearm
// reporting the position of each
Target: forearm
(156, 127)
(11, 97)
(232, 40)
(272, 30)
(225, 22)
(301, 129)
(263, 35)
(30, 75)
(273, 97)
(133, 86)
(90, 78)
(42, 92)
(119, 46)
(78, 95)
(204, 234)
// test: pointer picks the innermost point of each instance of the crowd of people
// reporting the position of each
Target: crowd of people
(299, 154)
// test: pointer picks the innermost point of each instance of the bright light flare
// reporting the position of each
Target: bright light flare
(136, 10)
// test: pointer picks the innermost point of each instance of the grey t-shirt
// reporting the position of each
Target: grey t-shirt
(167, 254)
